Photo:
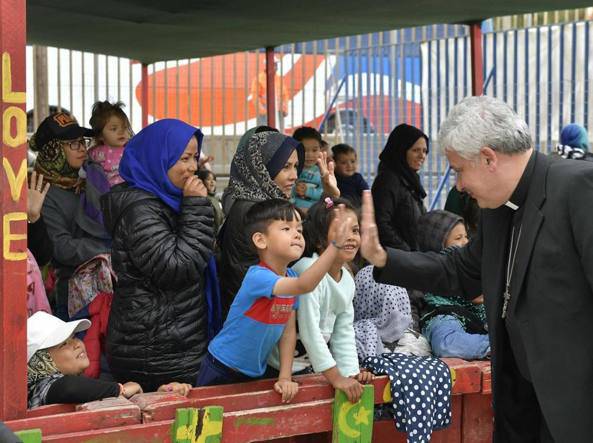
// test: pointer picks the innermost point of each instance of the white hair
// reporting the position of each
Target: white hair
(477, 122)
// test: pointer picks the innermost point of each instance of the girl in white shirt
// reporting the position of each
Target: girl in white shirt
(325, 316)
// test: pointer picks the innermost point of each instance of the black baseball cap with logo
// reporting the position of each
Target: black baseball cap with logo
(60, 126)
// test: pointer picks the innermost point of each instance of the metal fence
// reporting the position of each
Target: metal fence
(541, 18)
(355, 88)
(358, 87)
(75, 80)
(544, 73)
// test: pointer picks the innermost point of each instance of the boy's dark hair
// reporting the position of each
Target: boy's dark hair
(342, 149)
(262, 214)
(203, 174)
(102, 111)
(317, 221)
(324, 144)
(307, 132)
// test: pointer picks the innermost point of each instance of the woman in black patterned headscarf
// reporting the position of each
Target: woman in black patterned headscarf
(265, 166)
(257, 168)
(61, 146)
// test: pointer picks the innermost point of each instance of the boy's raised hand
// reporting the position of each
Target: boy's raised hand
(328, 176)
(287, 388)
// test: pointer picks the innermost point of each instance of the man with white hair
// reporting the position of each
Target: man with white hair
(532, 259)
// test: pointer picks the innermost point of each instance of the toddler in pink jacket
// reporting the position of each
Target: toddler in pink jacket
(112, 132)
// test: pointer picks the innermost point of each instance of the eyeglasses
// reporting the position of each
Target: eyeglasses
(77, 145)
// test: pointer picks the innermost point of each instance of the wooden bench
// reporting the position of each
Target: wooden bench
(254, 412)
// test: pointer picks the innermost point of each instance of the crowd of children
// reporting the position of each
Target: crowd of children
(283, 242)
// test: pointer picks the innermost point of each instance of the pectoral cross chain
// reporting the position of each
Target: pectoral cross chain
(505, 304)
(510, 266)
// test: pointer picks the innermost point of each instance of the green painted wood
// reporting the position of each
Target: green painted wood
(193, 425)
(353, 423)
(30, 435)
(211, 430)
(180, 431)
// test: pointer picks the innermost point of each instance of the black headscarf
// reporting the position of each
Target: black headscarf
(393, 156)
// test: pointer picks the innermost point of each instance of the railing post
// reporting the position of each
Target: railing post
(271, 86)
(13, 207)
(144, 94)
(477, 60)
(41, 102)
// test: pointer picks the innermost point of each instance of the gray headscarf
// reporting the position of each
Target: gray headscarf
(433, 229)
(382, 314)
(249, 177)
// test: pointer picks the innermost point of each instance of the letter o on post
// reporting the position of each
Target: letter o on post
(12, 112)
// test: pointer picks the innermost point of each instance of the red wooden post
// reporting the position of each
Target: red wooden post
(13, 207)
(475, 37)
(271, 86)
(144, 94)
(477, 418)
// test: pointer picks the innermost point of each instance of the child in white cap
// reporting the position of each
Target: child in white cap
(56, 359)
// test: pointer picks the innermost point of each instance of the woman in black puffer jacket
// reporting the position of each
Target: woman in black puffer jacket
(162, 228)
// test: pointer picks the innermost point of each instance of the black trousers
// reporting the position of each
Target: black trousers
(518, 417)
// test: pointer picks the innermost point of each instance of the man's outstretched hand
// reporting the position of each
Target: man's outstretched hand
(370, 247)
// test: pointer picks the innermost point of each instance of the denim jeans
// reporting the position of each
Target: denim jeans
(448, 339)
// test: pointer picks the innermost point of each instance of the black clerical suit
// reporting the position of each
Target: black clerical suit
(542, 352)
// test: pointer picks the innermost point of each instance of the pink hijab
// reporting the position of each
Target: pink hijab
(36, 297)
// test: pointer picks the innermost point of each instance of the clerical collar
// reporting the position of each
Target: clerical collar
(520, 193)
(511, 205)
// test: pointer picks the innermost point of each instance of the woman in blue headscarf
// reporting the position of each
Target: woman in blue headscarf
(162, 228)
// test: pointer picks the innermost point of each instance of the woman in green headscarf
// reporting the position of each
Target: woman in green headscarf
(61, 147)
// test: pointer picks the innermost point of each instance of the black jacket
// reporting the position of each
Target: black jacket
(39, 242)
(237, 253)
(397, 209)
(80, 389)
(552, 300)
(158, 321)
